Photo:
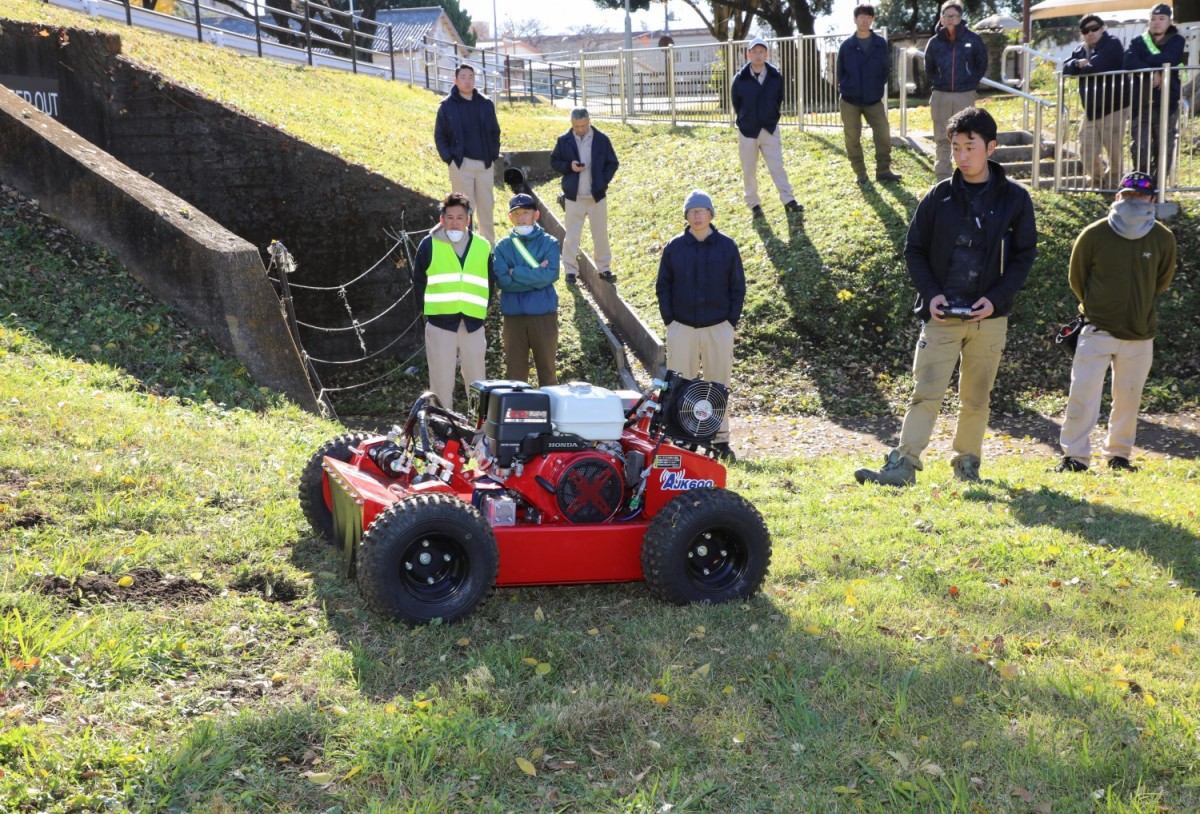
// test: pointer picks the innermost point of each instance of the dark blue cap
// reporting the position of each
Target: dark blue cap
(522, 201)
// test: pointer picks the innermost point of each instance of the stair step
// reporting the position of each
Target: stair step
(1019, 152)
(1012, 138)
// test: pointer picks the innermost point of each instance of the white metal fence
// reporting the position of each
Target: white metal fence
(690, 84)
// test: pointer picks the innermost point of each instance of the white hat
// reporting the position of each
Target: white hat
(758, 41)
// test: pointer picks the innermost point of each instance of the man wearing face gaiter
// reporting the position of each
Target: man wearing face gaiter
(1119, 266)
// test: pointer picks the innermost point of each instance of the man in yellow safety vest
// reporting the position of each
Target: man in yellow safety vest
(453, 278)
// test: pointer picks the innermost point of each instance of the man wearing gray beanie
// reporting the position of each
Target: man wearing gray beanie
(701, 289)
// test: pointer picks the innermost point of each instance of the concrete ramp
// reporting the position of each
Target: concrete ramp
(183, 257)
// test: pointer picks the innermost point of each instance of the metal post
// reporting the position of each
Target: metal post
(1164, 121)
(628, 73)
(1036, 169)
(624, 97)
(671, 101)
(1060, 132)
(425, 58)
(128, 14)
(308, 33)
(801, 105)
(529, 62)
(353, 44)
(392, 51)
(258, 33)
(902, 78)
(581, 85)
(199, 27)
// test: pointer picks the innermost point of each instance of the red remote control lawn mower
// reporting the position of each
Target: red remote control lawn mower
(565, 484)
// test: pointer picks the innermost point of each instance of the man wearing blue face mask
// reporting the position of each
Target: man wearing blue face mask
(526, 269)
(1119, 266)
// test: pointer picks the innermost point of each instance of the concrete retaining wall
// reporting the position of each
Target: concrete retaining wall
(183, 257)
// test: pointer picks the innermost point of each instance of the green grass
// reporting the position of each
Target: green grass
(1024, 643)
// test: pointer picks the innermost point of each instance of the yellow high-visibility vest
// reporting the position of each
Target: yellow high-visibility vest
(458, 287)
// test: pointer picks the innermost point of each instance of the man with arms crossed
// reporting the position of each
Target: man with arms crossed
(970, 246)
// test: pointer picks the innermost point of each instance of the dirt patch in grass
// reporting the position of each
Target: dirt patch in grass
(1158, 436)
(148, 587)
(272, 587)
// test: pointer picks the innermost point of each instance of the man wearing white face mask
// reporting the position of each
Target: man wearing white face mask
(526, 269)
(1119, 265)
(453, 279)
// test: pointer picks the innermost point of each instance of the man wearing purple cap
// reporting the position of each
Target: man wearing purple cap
(757, 96)
(1160, 45)
(1119, 265)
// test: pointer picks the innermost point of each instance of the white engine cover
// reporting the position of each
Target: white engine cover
(593, 413)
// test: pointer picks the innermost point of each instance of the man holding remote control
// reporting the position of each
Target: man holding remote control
(970, 246)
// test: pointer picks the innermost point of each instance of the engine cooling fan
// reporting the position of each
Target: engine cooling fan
(695, 408)
(590, 490)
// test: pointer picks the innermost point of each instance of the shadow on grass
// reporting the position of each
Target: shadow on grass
(910, 719)
(1169, 544)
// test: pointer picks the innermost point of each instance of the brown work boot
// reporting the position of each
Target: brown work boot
(966, 467)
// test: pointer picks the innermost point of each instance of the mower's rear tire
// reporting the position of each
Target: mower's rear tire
(706, 545)
(312, 483)
(427, 557)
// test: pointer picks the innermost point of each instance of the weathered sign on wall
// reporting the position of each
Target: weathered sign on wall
(39, 92)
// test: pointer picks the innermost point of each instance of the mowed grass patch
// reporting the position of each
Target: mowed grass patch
(1023, 643)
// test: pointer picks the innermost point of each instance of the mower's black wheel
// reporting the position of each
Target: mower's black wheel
(707, 545)
(427, 557)
(312, 483)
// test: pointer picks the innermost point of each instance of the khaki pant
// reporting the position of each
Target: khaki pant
(691, 349)
(1100, 149)
(525, 333)
(943, 105)
(881, 134)
(771, 147)
(1130, 362)
(596, 212)
(941, 346)
(444, 350)
(476, 181)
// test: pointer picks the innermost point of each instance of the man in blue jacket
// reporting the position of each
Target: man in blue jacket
(1160, 45)
(1104, 101)
(757, 96)
(526, 264)
(970, 246)
(863, 65)
(955, 60)
(587, 161)
(467, 135)
(701, 289)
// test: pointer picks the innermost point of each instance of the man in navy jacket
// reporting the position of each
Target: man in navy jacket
(955, 60)
(1104, 100)
(587, 161)
(1160, 45)
(757, 96)
(467, 135)
(863, 65)
(701, 289)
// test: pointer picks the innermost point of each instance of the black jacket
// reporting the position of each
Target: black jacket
(758, 106)
(1143, 52)
(1010, 239)
(1101, 95)
(955, 67)
(862, 78)
(604, 163)
(701, 282)
(467, 129)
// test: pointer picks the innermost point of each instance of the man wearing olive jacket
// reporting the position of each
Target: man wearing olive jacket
(1119, 266)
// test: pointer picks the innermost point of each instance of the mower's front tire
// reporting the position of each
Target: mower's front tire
(427, 557)
(706, 545)
(312, 482)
